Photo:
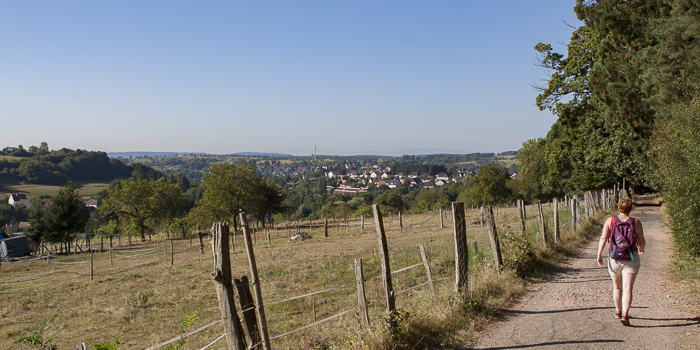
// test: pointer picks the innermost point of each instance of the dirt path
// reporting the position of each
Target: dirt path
(575, 311)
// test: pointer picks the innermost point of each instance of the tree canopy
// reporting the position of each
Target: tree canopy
(626, 99)
(143, 203)
(66, 215)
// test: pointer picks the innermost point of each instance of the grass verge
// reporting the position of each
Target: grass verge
(454, 319)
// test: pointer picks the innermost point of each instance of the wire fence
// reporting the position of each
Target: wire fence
(308, 286)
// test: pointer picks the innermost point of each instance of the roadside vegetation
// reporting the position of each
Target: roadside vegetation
(627, 96)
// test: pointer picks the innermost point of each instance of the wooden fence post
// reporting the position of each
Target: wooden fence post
(481, 217)
(201, 244)
(442, 224)
(325, 228)
(400, 221)
(574, 212)
(428, 274)
(555, 203)
(361, 299)
(362, 223)
(91, 267)
(461, 248)
(172, 254)
(224, 286)
(259, 306)
(521, 214)
(245, 299)
(543, 228)
(493, 235)
(386, 269)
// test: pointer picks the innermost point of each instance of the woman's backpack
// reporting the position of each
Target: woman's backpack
(623, 239)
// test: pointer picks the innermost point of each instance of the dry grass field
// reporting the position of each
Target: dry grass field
(138, 293)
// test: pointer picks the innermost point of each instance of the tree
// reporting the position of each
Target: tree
(39, 227)
(390, 202)
(490, 186)
(44, 148)
(66, 215)
(271, 203)
(143, 202)
(231, 188)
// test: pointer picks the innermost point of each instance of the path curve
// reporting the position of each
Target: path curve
(574, 310)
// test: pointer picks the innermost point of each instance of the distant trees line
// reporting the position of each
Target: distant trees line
(38, 165)
(141, 199)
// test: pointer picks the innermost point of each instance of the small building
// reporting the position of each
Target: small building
(15, 198)
(442, 176)
(394, 183)
(19, 199)
(14, 245)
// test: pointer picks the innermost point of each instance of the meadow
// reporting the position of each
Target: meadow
(136, 293)
(87, 189)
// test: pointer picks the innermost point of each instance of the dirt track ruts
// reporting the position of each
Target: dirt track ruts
(574, 310)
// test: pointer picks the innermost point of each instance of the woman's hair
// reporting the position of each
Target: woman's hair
(625, 205)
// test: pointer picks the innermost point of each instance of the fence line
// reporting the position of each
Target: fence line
(337, 249)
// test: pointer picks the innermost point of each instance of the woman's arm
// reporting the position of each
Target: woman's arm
(603, 239)
(639, 230)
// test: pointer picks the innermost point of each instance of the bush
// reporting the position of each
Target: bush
(676, 146)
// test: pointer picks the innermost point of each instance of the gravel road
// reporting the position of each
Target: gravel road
(574, 310)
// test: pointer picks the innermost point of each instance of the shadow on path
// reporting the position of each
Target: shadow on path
(572, 342)
(688, 322)
(522, 312)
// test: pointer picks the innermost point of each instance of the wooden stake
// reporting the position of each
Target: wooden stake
(91, 267)
(428, 274)
(201, 244)
(361, 300)
(555, 204)
(248, 309)
(386, 269)
(493, 235)
(442, 224)
(461, 248)
(256, 283)
(224, 286)
(543, 229)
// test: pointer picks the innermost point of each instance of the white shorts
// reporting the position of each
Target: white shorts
(616, 267)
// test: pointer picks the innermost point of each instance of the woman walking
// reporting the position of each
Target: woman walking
(625, 237)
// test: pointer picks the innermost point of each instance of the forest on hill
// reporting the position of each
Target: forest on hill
(39, 165)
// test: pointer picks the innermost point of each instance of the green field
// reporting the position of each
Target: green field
(86, 189)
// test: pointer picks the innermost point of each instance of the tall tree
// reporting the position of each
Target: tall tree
(490, 185)
(229, 188)
(143, 203)
(68, 213)
(39, 226)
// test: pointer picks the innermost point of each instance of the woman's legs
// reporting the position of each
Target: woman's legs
(617, 290)
(627, 286)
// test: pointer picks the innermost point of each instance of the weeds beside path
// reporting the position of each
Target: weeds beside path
(574, 309)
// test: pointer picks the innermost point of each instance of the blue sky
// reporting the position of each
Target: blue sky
(350, 77)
